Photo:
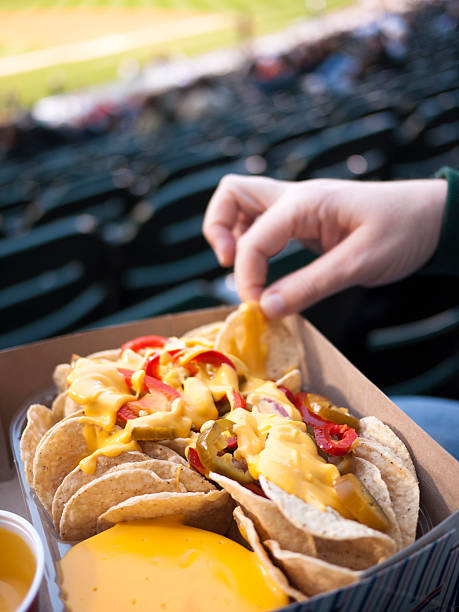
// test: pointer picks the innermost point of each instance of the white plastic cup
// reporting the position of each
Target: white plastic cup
(19, 525)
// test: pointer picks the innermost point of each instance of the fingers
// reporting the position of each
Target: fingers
(289, 217)
(341, 267)
(235, 195)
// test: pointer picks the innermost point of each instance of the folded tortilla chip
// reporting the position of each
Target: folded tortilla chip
(77, 478)
(402, 485)
(211, 511)
(269, 521)
(370, 477)
(312, 576)
(248, 531)
(282, 348)
(205, 334)
(159, 451)
(59, 451)
(80, 514)
(61, 371)
(374, 429)
(167, 470)
(338, 540)
(39, 420)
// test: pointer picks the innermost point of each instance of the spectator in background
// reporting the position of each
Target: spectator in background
(367, 234)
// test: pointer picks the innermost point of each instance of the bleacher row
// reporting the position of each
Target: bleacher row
(107, 228)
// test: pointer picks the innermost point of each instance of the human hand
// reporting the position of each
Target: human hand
(368, 233)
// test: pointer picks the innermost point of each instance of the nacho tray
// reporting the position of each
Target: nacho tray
(421, 576)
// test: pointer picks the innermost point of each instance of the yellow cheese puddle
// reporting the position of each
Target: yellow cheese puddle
(160, 564)
(17, 569)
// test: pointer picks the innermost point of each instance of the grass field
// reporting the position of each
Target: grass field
(28, 86)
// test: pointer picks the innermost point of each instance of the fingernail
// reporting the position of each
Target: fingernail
(273, 305)
(223, 252)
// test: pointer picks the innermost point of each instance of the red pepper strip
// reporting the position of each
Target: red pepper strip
(213, 357)
(288, 393)
(301, 402)
(157, 386)
(153, 362)
(144, 342)
(152, 365)
(231, 443)
(130, 410)
(127, 376)
(195, 462)
(236, 400)
(343, 445)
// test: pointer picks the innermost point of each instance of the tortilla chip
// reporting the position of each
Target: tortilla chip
(312, 576)
(205, 334)
(159, 451)
(58, 405)
(61, 371)
(269, 522)
(370, 477)
(374, 429)
(110, 354)
(283, 353)
(178, 444)
(39, 420)
(339, 541)
(77, 478)
(403, 487)
(247, 529)
(211, 511)
(168, 470)
(80, 514)
(291, 380)
(57, 454)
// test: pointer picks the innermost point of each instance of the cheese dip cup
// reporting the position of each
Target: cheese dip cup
(21, 564)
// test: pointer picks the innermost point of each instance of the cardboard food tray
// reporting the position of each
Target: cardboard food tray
(421, 577)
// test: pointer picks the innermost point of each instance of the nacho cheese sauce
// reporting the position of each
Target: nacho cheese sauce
(248, 343)
(17, 569)
(272, 438)
(161, 564)
(282, 451)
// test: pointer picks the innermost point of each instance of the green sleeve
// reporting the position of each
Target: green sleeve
(445, 260)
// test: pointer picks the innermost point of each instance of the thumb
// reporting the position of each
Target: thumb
(339, 268)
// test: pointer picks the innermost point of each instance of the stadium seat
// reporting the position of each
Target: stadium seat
(140, 282)
(183, 237)
(49, 246)
(337, 143)
(86, 306)
(175, 201)
(73, 197)
(187, 296)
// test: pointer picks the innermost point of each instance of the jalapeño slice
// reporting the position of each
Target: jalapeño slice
(320, 405)
(211, 445)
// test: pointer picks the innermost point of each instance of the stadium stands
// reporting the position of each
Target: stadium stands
(102, 224)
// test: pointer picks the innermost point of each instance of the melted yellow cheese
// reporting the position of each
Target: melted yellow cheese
(197, 394)
(267, 393)
(160, 564)
(99, 388)
(248, 343)
(102, 442)
(280, 449)
(17, 569)
(176, 419)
